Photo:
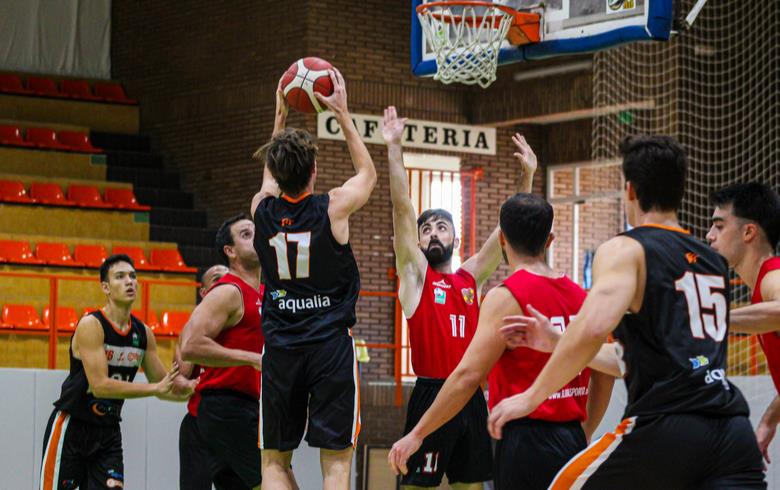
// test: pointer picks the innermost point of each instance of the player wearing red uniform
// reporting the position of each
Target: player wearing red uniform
(535, 448)
(745, 230)
(442, 310)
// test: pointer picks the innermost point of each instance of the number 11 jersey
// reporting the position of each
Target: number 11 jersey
(311, 280)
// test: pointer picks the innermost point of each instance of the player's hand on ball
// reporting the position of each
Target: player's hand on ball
(535, 331)
(509, 409)
(392, 127)
(282, 108)
(337, 101)
(525, 155)
(401, 451)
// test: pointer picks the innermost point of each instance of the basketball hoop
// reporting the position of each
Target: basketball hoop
(466, 37)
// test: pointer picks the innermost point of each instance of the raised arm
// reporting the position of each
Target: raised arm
(761, 317)
(616, 271)
(88, 341)
(410, 262)
(222, 308)
(484, 263)
(269, 186)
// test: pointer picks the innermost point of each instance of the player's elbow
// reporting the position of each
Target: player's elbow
(101, 389)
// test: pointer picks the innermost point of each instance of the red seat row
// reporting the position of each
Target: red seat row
(85, 196)
(47, 139)
(73, 89)
(58, 254)
(25, 317)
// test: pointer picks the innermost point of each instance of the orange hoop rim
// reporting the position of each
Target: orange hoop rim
(493, 19)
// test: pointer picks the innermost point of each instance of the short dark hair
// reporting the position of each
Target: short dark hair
(436, 213)
(656, 166)
(753, 201)
(225, 237)
(290, 156)
(526, 221)
(110, 261)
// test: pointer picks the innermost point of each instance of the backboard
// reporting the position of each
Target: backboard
(567, 26)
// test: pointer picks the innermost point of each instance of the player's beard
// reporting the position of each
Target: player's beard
(439, 255)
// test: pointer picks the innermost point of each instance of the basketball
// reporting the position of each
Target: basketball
(302, 79)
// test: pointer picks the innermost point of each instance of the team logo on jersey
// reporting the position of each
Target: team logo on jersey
(717, 375)
(136, 341)
(442, 284)
(691, 257)
(287, 222)
(699, 361)
(439, 296)
(468, 295)
(279, 293)
(294, 305)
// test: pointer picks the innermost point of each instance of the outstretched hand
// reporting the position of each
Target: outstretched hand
(535, 331)
(337, 101)
(525, 155)
(392, 127)
(282, 108)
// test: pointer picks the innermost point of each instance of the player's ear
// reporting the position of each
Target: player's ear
(630, 191)
(501, 239)
(749, 232)
(550, 240)
(456, 243)
(105, 287)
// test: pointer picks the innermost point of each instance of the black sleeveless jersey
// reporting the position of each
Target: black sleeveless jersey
(124, 353)
(311, 281)
(675, 348)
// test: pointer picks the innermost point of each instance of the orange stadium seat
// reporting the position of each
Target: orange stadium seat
(12, 84)
(22, 316)
(67, 319)
(18, 252)
(151, 320)
(124, 199)
(77, 89)
(135, 253)
(174, 321)
(76, 141)
(13, 191)
(12, 135)
(90, 255)
(86, 196)
(169, 259)
(43, 86)
(49, 193)
(112, 92)
(44, 138)
(55, 254)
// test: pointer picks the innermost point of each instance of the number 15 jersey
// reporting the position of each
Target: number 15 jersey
(311, 280)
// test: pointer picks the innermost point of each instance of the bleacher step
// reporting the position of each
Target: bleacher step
(166, 198)
(121, 142)
(178, 217)
(143, 177)
(201, 237)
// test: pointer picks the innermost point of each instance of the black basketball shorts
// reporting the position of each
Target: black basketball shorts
(194, 457)
(320, 381)
(461, 448)
(672, 452)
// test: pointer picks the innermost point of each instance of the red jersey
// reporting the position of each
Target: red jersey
(245, 335)
(444, 322)
(194, 401)
(558, 299)
(770, 342)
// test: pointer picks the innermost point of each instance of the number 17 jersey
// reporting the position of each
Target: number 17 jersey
(311, 280)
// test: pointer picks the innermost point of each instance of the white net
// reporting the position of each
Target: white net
(466, 40)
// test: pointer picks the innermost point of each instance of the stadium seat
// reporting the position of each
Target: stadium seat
(112, 92)
(12, 84)
(151, 320)
(174, 321)
(135, 253)
(90, 255)
(86, 196)
(13, 191)
(44, 138)
(76, 141)
(22, 316)
(67, 319)
(12, 135)
(18, 252)
(124, 199)
(49, 193)
(55, 254)
(169, 259)
(77, 89)
(43, 86)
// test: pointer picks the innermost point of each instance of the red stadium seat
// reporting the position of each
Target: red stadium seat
(135, 253)
(151, 320)
(12, 84)
(49, 193)
(90, 255)
(55, 254)
(13, 191)
(12, 135)
(44, 138)
(112, 92)
(174, 321)
(43, 86)
(86, 196)
(67, 319)
(18, 252)
(76, 141)
(22, 316)
(124, 199)
(77, 89)
(169, 259)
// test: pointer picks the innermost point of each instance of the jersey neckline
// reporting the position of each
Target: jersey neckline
(114, 325)
(296, 200)
(664, 227)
